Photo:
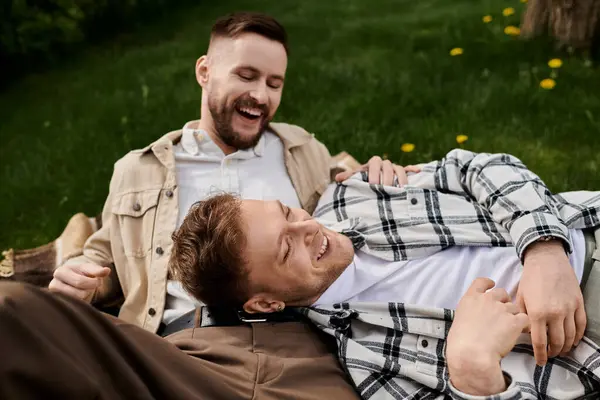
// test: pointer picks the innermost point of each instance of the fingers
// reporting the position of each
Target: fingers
(539, 339)
(75, 279)
(580, 324)
(412, 168)
(512, 308)
(480, 285)
(500, 295)
(92, 270)
(556, 337)
(523, 309)
(521, 302)
(570, 331)
(401, 174)
(375, 164)
(342, 176)
(78, 281)
(60, 287)
(387, 173)
(522, 321)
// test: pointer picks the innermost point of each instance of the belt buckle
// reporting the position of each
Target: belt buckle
(251, 318)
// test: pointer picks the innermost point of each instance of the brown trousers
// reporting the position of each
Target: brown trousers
(52, 346)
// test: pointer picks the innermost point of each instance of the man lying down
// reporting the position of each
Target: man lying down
(399, 258)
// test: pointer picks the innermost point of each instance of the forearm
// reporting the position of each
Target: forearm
(515, 197)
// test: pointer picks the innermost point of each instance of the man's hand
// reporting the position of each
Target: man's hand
(79, 280)
(381, 172)
(550, 295)
(485, 328)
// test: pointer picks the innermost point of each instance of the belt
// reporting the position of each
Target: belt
(214, 316)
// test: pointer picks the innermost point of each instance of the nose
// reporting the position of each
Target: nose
(259, 93)
(305, 229)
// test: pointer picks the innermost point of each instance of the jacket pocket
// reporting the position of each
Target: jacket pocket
(135, 213)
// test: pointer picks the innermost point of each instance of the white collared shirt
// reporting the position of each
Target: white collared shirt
(203, 169)
(439, 280)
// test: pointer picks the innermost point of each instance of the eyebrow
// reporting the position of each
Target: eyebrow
(256, 71)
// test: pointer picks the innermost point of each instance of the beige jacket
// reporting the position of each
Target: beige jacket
(141, 212)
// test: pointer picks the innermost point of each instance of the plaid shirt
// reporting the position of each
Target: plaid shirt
(396, 351)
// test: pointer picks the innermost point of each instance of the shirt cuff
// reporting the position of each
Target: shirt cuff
(534, 226)
(512, 392)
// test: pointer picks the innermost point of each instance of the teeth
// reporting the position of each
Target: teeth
(323, 247)
(252, 111)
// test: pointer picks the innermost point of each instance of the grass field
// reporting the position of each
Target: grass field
(364, 76)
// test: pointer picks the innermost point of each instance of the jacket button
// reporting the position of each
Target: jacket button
(169, 193)
(137, 207)
(160, 251)
(424, 343)
(152, 312)
(413, 201)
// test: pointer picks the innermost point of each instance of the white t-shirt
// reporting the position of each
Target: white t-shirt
(439, 280)
(203, 169)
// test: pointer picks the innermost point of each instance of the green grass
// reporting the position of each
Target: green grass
(364, 76)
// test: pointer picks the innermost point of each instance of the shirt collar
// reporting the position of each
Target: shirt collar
(193, 140)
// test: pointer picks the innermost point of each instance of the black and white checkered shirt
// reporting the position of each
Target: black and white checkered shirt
(396, 351)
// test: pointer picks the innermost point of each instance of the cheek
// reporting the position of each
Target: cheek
(274, 100)
(303, 264)
(224, 90)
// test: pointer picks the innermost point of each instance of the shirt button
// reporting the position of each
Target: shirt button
(413, 201)
(160, 251)
(169, 193)
(424, 343)
(152, 312)
(137, 207)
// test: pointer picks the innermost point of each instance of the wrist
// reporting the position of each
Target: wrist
(476, 374)
(554, 247)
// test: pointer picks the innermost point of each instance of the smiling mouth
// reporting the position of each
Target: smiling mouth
(324, 248)
(250, 113)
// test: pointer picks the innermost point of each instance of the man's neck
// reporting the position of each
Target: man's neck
(209, 127)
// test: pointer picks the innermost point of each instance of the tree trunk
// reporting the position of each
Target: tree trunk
(573, 23)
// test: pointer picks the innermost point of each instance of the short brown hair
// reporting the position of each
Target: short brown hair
(233, 25)
(207, 252)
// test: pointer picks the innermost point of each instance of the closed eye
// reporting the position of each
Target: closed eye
(288, 251)
(288, 212)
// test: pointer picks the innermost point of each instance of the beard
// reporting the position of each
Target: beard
(222, 115)
(299, 294)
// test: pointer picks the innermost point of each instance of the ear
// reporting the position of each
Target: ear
(202, 71)
(263, 303)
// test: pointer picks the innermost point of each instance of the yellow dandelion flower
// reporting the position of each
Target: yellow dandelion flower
(457, 51)
(555, 63)
(523, 1)
(487, 19)
(460, 139)
(407, 147)
(548, 84)
(512, 31)
(508, 11)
